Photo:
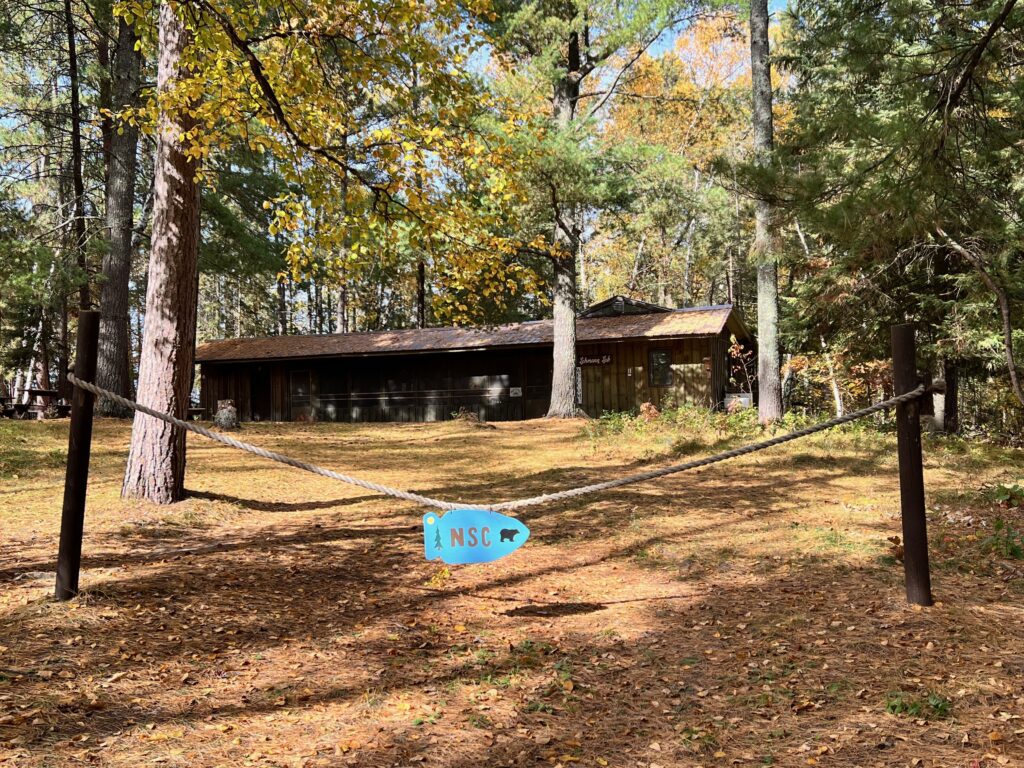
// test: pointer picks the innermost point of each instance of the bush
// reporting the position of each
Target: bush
(1005, 541)
(1009, 495)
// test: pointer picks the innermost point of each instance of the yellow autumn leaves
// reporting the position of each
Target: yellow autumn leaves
(390, 147)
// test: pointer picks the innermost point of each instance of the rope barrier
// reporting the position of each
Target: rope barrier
(507, 505)
(257, 451)
(713, 459)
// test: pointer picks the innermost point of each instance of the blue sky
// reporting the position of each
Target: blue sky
(665, 43)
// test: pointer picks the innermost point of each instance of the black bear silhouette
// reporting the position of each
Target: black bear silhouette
(508, 534)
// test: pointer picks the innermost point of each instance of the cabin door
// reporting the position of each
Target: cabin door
(300, 396)
(259, 394)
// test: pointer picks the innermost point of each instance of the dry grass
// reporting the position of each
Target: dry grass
(749, 614)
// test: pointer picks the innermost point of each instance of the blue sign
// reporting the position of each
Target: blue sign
(464, 536)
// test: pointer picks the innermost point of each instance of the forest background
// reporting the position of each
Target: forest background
(381, 164)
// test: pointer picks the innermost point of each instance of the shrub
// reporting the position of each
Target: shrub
(1005, 541)
(1009, 495)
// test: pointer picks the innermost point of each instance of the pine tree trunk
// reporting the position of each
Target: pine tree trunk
(421, 295)
(156, 461)
(563, 381)
(833, 381)
(63, 349)
(31, 380)
(345, 242)
(951, 399)
(688, 276)
(44, 350)
(112, 366)
(18, 386)
(292, 327)
(343, 307)
(566, 239)
(316, 319)
(78, 221)
(282, 309)
(769, 385)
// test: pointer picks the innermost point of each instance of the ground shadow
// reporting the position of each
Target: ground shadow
(555, 609)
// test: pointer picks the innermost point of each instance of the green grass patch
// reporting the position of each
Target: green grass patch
(932, 706)
(27, 449)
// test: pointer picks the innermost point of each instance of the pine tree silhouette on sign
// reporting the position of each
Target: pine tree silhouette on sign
(437, 539)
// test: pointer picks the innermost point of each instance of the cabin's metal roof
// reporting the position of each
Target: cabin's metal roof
(696, 321)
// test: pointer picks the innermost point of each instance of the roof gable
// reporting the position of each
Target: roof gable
(622, 305)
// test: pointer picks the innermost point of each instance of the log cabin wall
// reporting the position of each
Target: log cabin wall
(496, 385)
(620, 376)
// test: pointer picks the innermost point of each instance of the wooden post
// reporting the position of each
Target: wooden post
(908, 431)
(76, 478)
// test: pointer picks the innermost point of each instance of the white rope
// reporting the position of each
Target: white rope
(714, 459)
(191, 426)
(507, 505)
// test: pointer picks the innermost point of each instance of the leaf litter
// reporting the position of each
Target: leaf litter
(750, 614)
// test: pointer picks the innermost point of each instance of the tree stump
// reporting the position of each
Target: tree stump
(227, 415)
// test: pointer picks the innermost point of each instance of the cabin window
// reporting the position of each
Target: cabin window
(300, 387)
(660, 368)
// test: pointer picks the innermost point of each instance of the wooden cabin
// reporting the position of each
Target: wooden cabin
(628, 353)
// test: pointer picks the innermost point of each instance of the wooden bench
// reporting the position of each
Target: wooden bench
(43, 394)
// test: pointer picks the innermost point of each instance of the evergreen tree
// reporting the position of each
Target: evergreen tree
(905, 145)
(567, 57)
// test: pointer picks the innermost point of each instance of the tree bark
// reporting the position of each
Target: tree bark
(951, 399)
(78, 221)
(44, 349)
(563, 381)
(421, 294)
(38, 352)
(63, 355)
(101, 13)
(345, 241)
(769, 385)
(112, 368)
(566, 239)
(833, 381)
(1002, 300)
(18, 386)
(343, 307)
(282, 308)
(156, 461)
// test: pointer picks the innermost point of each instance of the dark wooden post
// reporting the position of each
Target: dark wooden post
(908, 431)
(76, 478)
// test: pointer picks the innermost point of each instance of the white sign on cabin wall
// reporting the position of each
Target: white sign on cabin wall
(515, 391)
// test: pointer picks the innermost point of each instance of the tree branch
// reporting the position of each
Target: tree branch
(276, 108)
(1004, 306)
(955, 93)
